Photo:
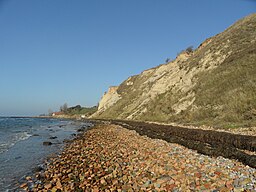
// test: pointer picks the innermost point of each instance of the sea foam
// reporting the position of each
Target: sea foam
(15, 138)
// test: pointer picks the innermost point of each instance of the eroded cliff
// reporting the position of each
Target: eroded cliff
(215, 83)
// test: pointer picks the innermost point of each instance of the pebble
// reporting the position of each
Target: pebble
(112, 158)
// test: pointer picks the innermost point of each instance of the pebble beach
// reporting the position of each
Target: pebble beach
(113, 158)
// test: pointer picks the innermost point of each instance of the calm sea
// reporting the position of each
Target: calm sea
(21, 145)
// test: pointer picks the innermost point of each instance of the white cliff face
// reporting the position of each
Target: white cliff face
(108, 99)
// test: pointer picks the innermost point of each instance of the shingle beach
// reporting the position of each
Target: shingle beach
(113, 158)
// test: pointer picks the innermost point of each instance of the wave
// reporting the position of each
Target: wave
(12, 140)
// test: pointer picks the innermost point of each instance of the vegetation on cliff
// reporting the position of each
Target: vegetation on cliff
(78, 110)
(75, 111)
(214, 84)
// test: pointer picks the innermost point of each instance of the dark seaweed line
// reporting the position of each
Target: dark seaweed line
(204, 141)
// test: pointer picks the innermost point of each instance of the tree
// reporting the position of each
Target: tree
(64, 107)
(50, 112)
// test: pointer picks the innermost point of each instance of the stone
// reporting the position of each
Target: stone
(238, 189)
(38, 168)
(245, 181)
(48, 186)
(47, 143)
(103, 182)
(28, 178)
(54, 189)
(157, 185)
(58, 185)
(23, 185)
(111, 158)
(53, 137)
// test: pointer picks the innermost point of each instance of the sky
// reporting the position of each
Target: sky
(61, 51)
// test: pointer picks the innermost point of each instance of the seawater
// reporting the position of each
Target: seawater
(21, 145)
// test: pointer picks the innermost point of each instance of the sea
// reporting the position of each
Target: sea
(22, 149)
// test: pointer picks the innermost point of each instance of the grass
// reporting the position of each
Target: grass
(228, 93)
(224, 96)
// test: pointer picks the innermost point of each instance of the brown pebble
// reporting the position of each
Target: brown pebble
(48, 186)
(23, 185)
(28, 178)
(58, 185)
(111, 158)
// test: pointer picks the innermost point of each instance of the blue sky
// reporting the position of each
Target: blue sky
(57, 51)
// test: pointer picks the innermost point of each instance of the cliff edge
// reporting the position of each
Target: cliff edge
(214, 84)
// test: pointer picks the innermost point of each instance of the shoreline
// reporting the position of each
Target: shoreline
(111, 157)
(29, 142)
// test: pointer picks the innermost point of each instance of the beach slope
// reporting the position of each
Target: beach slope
(112, 158)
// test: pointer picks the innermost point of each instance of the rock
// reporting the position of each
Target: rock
(28, 178)
(147, 183)
(245, 181)
(58, 185)
(157, 185)
(48, 186)
(82, 129)
(19, 157)
(239, 189)
(38, 168)
(111, 158)
(103, 182)
(229, 184)
(53, 137)
(54, 189)
(47, 143)
(23, 185)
